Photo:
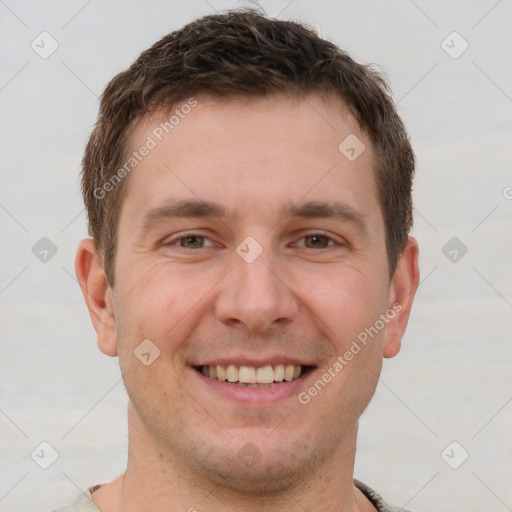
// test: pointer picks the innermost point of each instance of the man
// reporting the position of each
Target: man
(248, 187)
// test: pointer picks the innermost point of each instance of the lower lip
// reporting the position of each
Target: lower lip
(267, 395)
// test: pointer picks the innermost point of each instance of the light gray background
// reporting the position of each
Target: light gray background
(451, 382)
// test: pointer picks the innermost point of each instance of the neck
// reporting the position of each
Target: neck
(154, 478)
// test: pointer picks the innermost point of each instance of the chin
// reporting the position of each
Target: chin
(270, 469)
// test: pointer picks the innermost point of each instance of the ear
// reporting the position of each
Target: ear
(403, 288)
(97, 294)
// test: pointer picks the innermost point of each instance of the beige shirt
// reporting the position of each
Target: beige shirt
(84, 502)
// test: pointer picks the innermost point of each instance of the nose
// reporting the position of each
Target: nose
(256, 295)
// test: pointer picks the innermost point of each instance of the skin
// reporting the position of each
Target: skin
(318, 283)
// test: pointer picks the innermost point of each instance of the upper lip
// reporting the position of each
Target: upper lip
(257, 362)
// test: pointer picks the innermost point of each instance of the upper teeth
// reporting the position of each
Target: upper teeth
(252, 375)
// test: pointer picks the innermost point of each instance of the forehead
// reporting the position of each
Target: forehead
(253, 153)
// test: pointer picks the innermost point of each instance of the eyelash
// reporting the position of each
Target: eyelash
(191, 235)
(176, 241)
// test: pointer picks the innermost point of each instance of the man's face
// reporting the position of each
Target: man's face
(246, 238)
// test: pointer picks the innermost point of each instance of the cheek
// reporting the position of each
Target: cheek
(350, 303)
(156, 296)
(345, 300)
(162, 304)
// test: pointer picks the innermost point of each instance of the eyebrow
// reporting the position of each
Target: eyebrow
(184, 209)
(203, 209)
(329, 210)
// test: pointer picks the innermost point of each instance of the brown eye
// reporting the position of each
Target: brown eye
(316, 241)
(192, 242)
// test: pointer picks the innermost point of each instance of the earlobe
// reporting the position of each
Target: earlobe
(97, 294)
(403, 288)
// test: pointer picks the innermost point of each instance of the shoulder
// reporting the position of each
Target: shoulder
(377, 500)
(83, 502)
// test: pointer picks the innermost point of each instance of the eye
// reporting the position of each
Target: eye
(191, 241)
(316, 241)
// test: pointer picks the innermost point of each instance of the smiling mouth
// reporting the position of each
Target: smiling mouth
(255, 377)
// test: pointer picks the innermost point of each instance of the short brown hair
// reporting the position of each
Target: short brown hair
(243, 53)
